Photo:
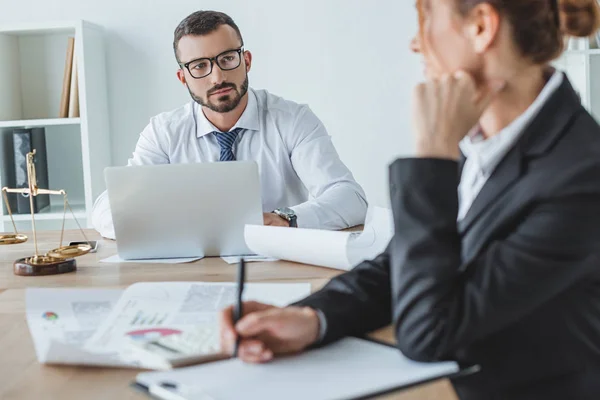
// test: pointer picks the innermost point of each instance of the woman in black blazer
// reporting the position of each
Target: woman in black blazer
(496, 256)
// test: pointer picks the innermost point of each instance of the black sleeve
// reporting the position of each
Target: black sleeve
(355, 302)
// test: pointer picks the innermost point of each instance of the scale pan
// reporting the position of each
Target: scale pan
(70, 251)
(12, 239)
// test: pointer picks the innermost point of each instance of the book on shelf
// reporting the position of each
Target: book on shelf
(66, 88)
(74, 90)
(25, 141)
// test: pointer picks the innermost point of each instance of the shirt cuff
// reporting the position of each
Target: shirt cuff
(306, 216)
(322, 326)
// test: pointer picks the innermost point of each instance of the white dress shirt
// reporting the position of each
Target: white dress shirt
(483, 155)
(298, 164)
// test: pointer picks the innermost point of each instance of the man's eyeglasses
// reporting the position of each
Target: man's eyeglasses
(227, 60)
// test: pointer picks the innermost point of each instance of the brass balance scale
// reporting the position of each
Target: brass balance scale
(57, 261)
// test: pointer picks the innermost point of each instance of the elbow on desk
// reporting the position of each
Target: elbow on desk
(361, 206)
(416, 353)
(101, 217)
(419, 344)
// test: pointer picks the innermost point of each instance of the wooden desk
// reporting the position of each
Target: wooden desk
(23, 378)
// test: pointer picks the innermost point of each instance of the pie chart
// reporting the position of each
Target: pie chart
(50, 316)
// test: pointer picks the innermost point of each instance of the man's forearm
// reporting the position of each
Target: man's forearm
(339, 207)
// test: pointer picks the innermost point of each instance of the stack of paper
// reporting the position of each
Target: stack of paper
(61, 321)
(95, 327)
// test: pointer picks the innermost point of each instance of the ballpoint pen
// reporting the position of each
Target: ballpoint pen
(238, 312)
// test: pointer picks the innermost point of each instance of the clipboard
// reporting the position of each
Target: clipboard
(351, 368)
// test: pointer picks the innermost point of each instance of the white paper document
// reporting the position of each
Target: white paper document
(96, 327)
(152, 309)
(340, 250)
(116, 259)
(350, 368)
(254, 258)
(62, 320)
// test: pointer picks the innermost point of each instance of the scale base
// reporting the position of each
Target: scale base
(43, 265)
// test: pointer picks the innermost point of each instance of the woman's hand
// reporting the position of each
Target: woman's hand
(445, 110)
(266, 331)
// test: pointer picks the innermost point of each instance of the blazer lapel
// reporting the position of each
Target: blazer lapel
(539, 136)
(505, 175)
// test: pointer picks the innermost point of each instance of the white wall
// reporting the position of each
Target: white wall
(348, 59)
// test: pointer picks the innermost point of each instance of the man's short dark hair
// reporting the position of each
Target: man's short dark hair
(202, 23)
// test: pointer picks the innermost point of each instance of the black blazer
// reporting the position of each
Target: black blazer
(513, 287)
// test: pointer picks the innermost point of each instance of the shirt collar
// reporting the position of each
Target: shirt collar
(249, 119)
(488, 152)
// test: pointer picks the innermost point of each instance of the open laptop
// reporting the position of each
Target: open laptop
(183, 210)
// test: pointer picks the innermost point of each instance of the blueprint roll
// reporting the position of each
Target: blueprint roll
(331, 249)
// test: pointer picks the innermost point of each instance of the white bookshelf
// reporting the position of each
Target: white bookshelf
(32, 62)
(34, 123)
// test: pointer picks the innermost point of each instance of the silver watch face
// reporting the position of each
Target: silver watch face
(288, 212)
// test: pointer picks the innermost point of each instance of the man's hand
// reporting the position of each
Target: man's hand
(272, 219)
(267, 330)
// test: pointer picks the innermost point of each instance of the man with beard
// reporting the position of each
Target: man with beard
(304, 182)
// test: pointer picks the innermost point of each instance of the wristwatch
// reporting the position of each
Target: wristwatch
(289, 215)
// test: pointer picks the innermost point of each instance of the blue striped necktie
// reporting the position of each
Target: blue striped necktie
(226, 141)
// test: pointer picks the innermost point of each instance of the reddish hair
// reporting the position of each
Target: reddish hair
(539, 26)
